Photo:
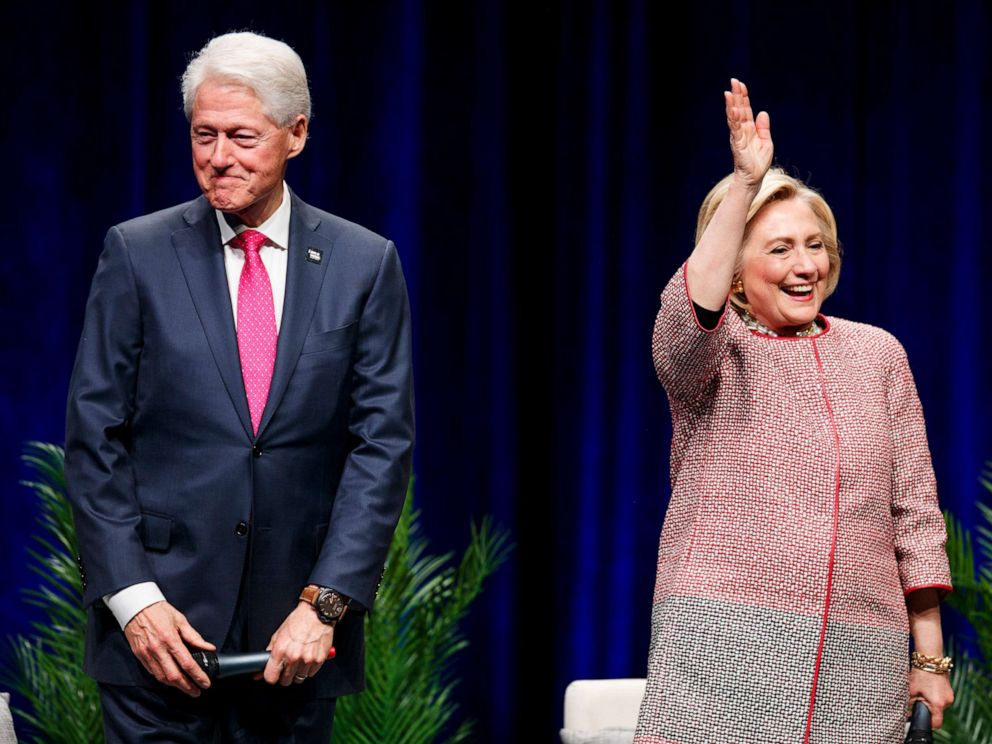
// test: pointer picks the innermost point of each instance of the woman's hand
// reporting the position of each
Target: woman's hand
(750, 137)
(932, 689)
(923, 610)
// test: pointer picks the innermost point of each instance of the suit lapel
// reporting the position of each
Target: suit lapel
(202, 259)
(303, 281)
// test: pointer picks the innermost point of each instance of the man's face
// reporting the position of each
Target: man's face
(239, 152)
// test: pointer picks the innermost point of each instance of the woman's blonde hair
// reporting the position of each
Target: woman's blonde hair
(777, 186)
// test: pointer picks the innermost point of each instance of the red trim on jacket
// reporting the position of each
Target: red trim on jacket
(833, 544)
(947, 589)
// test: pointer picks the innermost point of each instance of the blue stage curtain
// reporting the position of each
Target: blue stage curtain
(539, 166)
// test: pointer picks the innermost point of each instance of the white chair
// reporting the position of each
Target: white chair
(7, 735)
(601, 711)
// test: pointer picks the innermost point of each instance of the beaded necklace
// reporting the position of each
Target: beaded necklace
(753, 325)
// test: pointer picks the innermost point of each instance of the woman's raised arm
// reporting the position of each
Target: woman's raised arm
(710, 268)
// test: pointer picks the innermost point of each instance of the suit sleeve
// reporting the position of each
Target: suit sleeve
(920, 533)
(376, 472)
(99, 478)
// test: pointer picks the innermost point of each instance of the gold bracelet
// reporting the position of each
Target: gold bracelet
(932, 664)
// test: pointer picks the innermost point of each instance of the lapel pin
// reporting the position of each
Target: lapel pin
(314, 255)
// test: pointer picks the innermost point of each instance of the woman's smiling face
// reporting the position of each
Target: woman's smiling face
(784, 266)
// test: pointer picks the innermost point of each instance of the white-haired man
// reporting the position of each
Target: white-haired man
(239, 428)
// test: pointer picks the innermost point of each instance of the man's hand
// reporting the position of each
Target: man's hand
(158, 636)
(298, 648)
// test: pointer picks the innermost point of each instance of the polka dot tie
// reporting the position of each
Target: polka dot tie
(257, 334)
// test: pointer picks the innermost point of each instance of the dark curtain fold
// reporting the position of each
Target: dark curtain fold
(539, 166)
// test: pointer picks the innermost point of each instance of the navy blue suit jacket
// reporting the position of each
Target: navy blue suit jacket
(161, 463)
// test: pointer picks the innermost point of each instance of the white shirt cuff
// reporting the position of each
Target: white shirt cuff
(131, 600)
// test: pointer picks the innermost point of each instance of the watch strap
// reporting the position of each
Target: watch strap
(310, 594)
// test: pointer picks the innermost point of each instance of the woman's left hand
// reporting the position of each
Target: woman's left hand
(934, 690)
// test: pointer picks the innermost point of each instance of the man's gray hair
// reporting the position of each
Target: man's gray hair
(270, 68)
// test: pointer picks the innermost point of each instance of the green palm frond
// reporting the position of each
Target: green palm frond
(413, 636)
(969, 720)
(47, 668)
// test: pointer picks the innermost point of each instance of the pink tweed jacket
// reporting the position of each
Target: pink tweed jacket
(803, 509)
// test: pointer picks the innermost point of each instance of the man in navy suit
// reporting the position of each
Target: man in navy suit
(239, 428)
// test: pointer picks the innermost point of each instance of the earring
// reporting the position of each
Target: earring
(737, 287)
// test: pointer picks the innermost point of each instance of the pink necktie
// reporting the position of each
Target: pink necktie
(257, 334)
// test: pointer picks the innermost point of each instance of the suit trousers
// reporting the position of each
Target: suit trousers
(232, 710)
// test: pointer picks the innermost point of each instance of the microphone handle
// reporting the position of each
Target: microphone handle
(919, 725)
(229, 665)
(219, 666)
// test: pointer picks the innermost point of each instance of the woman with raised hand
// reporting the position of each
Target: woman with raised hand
(803, 541)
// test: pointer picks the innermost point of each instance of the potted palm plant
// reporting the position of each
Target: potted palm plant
(969, 720)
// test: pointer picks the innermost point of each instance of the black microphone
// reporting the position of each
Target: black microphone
(219, 666)
(919, 725)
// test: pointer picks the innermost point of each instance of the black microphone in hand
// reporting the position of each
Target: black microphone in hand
(219, 666)
(919, 725)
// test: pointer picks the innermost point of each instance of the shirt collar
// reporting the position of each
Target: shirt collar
(276, 228)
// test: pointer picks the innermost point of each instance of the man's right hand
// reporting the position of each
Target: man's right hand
(158, 636)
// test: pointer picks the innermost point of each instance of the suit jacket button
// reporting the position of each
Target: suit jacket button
(242, 529)
(256, 451)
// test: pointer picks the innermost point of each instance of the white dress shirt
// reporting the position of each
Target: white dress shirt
(274, 254)
(131, 600)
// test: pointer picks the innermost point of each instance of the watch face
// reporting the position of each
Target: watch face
(330, 605)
